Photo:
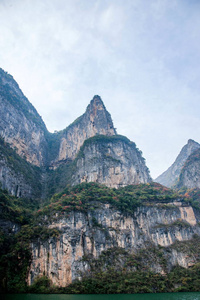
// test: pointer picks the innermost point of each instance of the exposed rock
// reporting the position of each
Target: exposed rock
(171, 175)
(114, 161)
(96, 120)
(17, 176)
(20, 124)
(88, 234)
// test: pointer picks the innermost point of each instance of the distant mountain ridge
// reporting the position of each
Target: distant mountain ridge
(170, 177)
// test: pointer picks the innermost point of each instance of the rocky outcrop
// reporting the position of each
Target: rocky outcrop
(171, 175)
(20, 124)
(90, 233)
(95, 121)
(114, 161)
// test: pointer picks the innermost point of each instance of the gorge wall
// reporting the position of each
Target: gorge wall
(63, 259)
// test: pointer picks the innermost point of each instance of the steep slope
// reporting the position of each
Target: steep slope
(92, 219)
(96, 120)
(20, 124)
(114, 161)
(171, 175)
(190, 173)
(91, 231)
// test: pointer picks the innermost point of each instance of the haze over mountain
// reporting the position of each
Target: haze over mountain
(170, 177)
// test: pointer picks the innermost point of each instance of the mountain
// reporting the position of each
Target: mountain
(79, 212)
(57, 154)
(171, 175)
(190, 173)
(20, 124)
(95, 121)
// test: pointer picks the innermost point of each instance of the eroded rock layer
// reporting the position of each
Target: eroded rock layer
(88, 234)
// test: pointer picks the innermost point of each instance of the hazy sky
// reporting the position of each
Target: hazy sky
(141, 56)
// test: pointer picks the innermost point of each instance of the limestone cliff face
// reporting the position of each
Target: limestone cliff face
(171, 175)
(88, 234)
(17, 176)
(20, 124)
(96, 120)
(113, 161)
(190, 173)
(14, 182)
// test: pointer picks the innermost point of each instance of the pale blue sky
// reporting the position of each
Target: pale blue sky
(141, 56)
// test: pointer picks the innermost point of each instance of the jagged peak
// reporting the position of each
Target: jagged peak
(96, 102)
(191, 142)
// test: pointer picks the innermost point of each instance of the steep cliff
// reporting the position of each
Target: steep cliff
(112, 160)
(96, 120)
(87, 229)
(171, 175)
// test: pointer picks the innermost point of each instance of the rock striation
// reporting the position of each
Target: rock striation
(88, 234)
(114, 161)
(171, 175)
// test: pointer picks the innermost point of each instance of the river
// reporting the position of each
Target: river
(159, 296)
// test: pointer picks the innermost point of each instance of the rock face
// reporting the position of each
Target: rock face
(190, 173)
(171, 175)
(113, 161)
(88, 234)
(17, 176)
(20, 124)
(96, 120)
(23, 129)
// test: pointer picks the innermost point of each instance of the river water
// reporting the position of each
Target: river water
(159, 296)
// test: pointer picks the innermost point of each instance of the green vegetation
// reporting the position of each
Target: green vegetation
(15, 253)
(115, 270)
(192, 196)
(87, 196)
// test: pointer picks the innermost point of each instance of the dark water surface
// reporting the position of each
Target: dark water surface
(160, 296)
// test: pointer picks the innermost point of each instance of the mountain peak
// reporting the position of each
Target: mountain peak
(96, 102)
(192, 142)
(170, 176)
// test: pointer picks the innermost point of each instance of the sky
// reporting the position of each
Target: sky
(141, 56)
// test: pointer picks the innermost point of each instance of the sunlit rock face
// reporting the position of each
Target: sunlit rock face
(90, 233)
(171, 175)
